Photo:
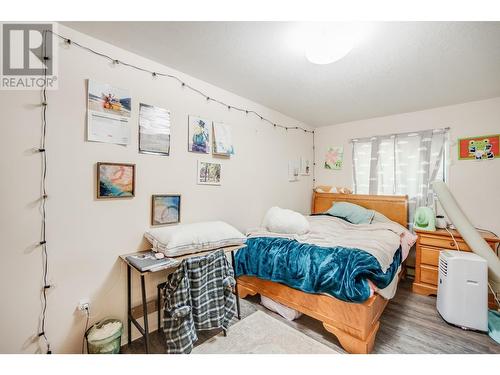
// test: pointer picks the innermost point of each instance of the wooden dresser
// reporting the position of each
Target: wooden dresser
(428, 246)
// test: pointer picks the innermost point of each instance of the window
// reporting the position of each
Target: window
(400, 164)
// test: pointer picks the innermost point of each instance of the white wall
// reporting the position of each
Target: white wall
(476, 185)
(85, 236)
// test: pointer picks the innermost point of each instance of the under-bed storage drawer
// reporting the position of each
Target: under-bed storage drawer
(429, 274)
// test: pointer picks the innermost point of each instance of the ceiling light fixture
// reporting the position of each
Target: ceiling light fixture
(326, 43)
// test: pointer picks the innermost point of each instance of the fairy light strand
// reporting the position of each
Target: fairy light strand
(43, 199)
(183, 84)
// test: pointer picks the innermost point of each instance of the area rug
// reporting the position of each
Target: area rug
(260, 333)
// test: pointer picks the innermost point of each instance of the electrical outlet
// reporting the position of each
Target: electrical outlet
(84, 304)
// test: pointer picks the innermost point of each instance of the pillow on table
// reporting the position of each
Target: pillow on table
(351, 212)
(281, 220)
(193, 238)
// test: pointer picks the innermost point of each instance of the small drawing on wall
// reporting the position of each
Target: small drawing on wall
(115, 180)
(198, 135)
(223, 144)
(154, 130)
(334, 157)
(293, 170)
(108, 114)
(486, 147)
(209, 173)
(305, 166)
(165, 209)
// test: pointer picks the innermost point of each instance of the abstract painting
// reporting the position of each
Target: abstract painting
(223, 144)
(334, 157)
(486, 147)
(154, 130)
(198, 135)
(209, 173)
(165, 209)
(115, 180)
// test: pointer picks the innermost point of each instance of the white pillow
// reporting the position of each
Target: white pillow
(286, 312)
(193, 238)
(280, 220)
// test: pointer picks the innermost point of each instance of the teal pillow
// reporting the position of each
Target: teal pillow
(351, 212)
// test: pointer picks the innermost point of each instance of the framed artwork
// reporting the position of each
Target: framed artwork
(485, 147)
(108, 113)
(154, 130)
(115, 180)
(334, 157)
(198, 135)
(305, 166)
(209, 173)
(223, 144)
(293, 170)
(165, 209)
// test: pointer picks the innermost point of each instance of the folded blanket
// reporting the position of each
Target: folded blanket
(338, 271)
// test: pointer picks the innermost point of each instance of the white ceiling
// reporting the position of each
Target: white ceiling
(399, 66)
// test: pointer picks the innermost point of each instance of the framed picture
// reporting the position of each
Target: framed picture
(209, 173)
(305, 166)
(334, 157)
(293, 170)
(485, 147)
(165, 209)
(115, 180)
(223, 144)
(198, 135)
(154, 130)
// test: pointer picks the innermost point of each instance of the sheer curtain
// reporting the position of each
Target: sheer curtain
(398, 164)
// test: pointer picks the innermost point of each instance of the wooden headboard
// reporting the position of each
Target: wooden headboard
(395, 207)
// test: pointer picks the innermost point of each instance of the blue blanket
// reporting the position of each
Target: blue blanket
(337, 271)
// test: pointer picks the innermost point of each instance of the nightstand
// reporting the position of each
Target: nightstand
(429, 244)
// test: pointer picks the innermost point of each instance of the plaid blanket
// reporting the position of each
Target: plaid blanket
(198, 296)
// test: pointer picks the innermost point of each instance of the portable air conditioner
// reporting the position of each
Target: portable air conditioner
(462, 297)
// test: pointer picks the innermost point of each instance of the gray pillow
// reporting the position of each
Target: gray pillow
(351, 212)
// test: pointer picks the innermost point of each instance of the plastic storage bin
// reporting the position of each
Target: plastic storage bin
(104, 337)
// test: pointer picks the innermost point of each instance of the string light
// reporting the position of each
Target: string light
(43, 200)
(183, 84)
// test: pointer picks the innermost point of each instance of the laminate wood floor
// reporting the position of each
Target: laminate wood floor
(409, 324)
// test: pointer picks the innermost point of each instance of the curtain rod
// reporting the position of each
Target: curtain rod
(391, 134)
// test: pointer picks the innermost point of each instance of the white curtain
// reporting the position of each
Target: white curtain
(399, 164)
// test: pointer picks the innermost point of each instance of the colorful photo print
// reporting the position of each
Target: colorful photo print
(165, 209)
(115, 180)
(486, 147)
(223, 144)
(198, 135)
(334, 157)
(209, 173)
(109, 100)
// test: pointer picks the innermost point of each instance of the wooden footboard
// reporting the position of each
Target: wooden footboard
(354, 324)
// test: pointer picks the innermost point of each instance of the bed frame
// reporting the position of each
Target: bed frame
(354, 324)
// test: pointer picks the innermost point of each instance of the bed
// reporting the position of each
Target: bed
(354, 324)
